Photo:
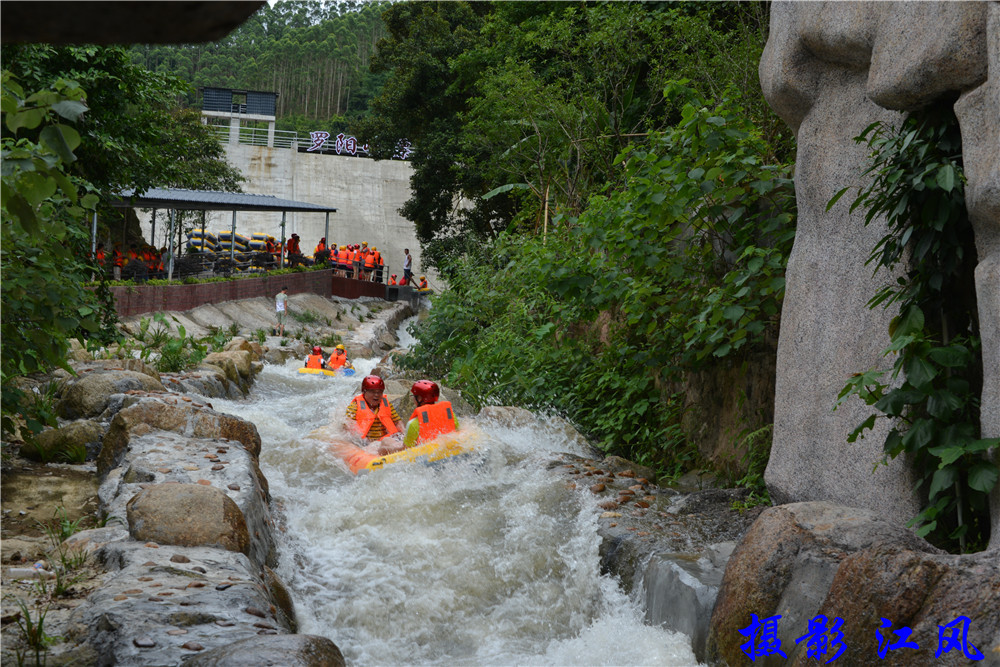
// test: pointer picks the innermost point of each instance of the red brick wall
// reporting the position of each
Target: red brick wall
(157, 298)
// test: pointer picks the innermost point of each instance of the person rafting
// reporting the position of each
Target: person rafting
(430, 418)
(315, 360)
(338, 359)
(370, 415)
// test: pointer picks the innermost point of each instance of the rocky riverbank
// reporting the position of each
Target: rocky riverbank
(181, 570)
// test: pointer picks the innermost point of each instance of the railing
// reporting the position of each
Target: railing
(258, 136)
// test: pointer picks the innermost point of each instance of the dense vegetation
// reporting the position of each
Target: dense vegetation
(79, 125)
(625, 211)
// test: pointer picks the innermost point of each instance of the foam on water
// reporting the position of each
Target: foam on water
(487, 559)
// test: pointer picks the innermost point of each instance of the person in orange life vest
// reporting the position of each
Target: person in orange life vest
(430, 418)
(392, 279)
(315, 360)
(338, 358)
(370, 264)
(99, 256)
(357, 261)
(321, 246)
(117, 260)
(370, 415)
(379, 265)
(423, 283)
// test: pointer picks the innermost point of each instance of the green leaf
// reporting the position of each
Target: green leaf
(506, 188)
(733, 312)
(836, 198)
(70, 109)
(943, 478)
(946, 177)
(62, 139)
(983, 476)
(948, 455)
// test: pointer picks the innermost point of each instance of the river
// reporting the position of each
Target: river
(485, 560)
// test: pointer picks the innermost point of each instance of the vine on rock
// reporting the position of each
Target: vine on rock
(932, 393)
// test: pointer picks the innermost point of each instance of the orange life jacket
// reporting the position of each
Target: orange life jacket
(100, 257)
(392, 281)
(314, 361)
(337, 359)
(348, 256)
(423, 284)
(369, 260)
(378, 258)
(117, 257)
(320, 247)
(366, 416)
(434, 419)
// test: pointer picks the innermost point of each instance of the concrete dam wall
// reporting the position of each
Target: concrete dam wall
(367, 193)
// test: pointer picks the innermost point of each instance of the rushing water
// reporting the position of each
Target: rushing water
(487, 559)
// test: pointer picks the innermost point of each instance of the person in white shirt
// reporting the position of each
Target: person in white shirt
(280, 310)
(408, 266)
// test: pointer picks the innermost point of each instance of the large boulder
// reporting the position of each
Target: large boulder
(268, 650)
(805, 559)
(179, 414)
(190, 515)
(82, 433)
(89, 395)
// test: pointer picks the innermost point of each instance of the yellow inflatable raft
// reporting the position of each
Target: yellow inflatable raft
(326, 371)
(361, 461)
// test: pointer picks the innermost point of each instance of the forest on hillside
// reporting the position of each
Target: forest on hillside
(315, 55)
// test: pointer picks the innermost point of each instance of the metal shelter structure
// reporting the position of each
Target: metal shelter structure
(178, 199)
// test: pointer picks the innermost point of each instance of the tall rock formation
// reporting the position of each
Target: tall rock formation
(829, 70)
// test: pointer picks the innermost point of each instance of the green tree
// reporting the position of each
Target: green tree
(45, 303)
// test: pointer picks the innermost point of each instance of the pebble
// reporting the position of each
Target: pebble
(119, 598)
(152, 545)
(222, 587)
(145, 578)
(204, 482)
(266, 626)
(132, 591)
(163, 470)
(233, 487)
(190, 467)
(179, 558)
(218, 466)
(224, 624)
(253, 611)
(267, 632)
(148, 563)
(144, 642)
(642, 503)
(199, 568)
(177, 631)
(193, 646)
(597, 488)
(196, 584)
(155, 599)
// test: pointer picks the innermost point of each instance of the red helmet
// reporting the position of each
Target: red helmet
(425, 391)
(394, 275)
(372, 382)
(317, 349)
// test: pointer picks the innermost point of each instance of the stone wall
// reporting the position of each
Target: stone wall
(829, 70)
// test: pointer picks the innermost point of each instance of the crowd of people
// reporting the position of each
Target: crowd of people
(358, 261)
(144, 261)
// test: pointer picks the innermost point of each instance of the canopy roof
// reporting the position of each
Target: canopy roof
(208, 200)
